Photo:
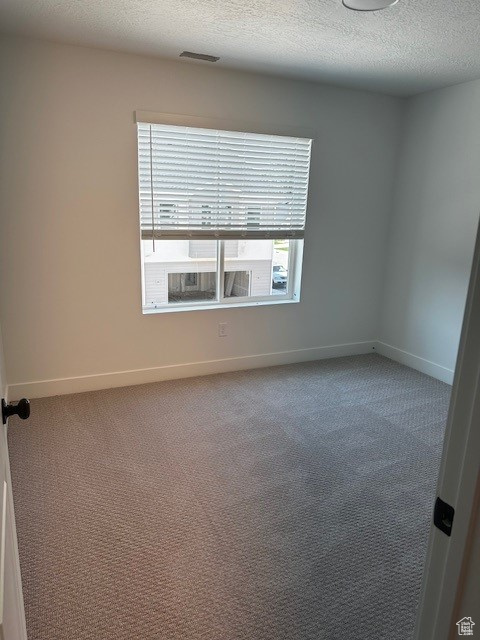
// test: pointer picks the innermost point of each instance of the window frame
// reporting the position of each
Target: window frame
(295, 259)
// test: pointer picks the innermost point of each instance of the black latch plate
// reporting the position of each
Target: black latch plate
(443, 516)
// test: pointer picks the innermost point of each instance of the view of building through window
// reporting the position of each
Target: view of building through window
(186, 271)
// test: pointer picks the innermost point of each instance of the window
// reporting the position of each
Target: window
(222, 216)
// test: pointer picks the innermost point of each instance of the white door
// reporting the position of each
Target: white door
(459, 487)
(12, 615)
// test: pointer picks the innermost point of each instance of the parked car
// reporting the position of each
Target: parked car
(279, 276)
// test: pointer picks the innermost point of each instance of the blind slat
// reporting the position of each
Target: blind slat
(211, 184)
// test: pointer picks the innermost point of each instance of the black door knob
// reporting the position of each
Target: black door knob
(21, 409)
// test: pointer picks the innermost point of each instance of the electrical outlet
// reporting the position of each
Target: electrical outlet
(222, 330)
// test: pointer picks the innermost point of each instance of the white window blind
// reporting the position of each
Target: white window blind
(221, 184)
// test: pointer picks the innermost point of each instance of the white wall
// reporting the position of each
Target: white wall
(433, 227)
(70, 293)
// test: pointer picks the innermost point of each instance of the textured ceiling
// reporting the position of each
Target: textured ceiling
(411, 47)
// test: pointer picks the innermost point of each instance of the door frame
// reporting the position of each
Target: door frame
(15, 627)
(458, 481)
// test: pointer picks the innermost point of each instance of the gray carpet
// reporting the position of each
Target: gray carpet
(289, 503)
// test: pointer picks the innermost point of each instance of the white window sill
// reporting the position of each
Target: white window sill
(205, 307)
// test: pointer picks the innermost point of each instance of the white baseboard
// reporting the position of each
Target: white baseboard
(415, 362)
(61, 386)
